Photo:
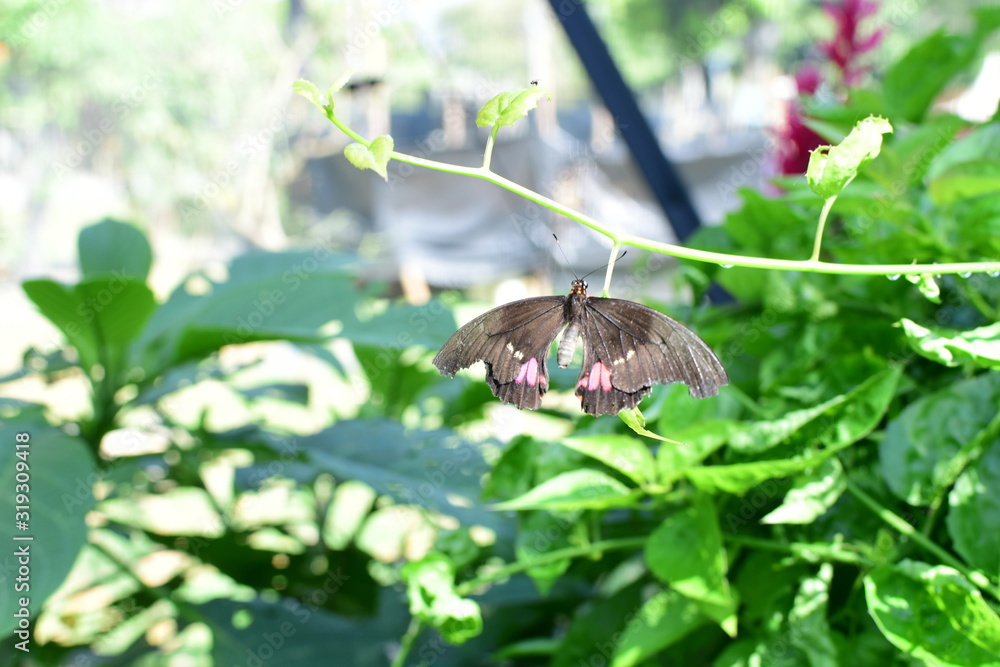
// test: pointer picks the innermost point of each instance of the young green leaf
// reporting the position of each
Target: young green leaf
(831, 168)
(508, 107)
(977, 347)
(308, 90)
(337, 85)
(374, 156)
(635, 420)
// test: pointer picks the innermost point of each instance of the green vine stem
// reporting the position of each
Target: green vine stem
(468, 587)
(899, 524)
(812, 265)
(406, 644)
(818, 243)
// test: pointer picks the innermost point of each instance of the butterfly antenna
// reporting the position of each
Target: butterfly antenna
(568, 263)
(606, 265)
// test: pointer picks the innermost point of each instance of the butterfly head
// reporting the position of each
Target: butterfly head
(579, 287)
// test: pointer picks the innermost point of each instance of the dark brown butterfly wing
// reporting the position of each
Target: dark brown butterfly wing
(513, 340)
(628, 348)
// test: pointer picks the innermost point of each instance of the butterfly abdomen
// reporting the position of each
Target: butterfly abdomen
(567, 344)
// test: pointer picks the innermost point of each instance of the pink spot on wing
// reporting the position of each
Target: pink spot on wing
(529, 372)
(594, 377)
(532, 371)
(605, 376)
(599, 376)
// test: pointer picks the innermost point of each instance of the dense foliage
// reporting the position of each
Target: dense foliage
(837, 504)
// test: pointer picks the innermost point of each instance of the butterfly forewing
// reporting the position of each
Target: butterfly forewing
(514, 341)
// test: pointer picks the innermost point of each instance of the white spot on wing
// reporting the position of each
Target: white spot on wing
(517, 353)
(619, 360)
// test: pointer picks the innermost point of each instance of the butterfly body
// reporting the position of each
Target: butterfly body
(628, 348)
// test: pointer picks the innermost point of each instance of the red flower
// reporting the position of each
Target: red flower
(796, 140)
(848, 43)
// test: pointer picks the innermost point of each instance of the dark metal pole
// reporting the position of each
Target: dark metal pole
(663, 179)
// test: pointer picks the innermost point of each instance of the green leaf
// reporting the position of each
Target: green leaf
(686, 552)
(539, 533)
(978, 347)
(974, 513)
(297, 296)
(916, 79)
(625, 454)
(980, 145)
(296, 633)
(838, 422)
(738, 478)
(661, 621)
(915, 149)
(114, 248)
(117, 308)
(965, 181)
(336, 87)
(931, 441)
(831, 168)
(593, 633)
(99, 316)
(811, 494)
(508, 107)
(352, 501)
(308, 90)
(431, 592)
(59, 303)
(432, 469)
(60, 488)
(634, 419)
(577, 489)
(809, 629)
(512, 473)
(933, 614)
(703, 439)
(374, 156)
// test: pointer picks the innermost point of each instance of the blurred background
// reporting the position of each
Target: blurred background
(222, 460)
(180, 116)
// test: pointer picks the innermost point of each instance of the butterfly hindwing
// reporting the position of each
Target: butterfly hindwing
(628, 348)
(513, 340)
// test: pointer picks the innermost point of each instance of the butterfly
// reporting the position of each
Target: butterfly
(627, 348)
